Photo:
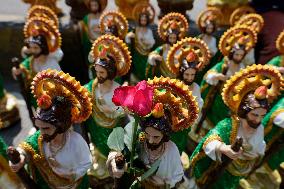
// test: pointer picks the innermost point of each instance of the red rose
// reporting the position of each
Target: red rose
(137, 99)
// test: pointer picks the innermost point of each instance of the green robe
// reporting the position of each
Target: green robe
(139, 56)
(180, 139)
(225, 131)
(99, 133)
(277, 61)
(33, 146)
(274, 132)
(26, 65)
(218, 110)
(3, 148)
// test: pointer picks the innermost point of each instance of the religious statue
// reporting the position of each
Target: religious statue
(111, 59)
(234, 44)
(114, 23)
(232, 149)
(141, 40)
(57, 156)
(172, 27)
(255, 22)
(185, 59)
(90, 25)
(43, 42)
(160, 107)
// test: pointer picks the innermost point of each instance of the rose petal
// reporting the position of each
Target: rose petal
(123, 96)
(142, 104)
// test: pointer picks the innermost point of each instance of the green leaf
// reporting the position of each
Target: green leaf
(116, 139)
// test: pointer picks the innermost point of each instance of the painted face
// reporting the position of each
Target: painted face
(209, 28)
(189, 75)
(153, 138)
(172, 38)
(238, 56)
(35, 49)
(255, 116)
(143, 20)
(94, 6)
(47, 130)
(101, 73)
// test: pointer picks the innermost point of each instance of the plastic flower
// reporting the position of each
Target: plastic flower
(260, 93)
(158, 110)
(138, 99)
(44, 101)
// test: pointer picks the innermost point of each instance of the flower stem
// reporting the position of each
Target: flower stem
(134, 136)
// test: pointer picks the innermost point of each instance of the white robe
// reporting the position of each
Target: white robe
(211, 78)
(249, 58)
(106, 99)
(51, 62)
(279, 120)
(74, 157)
(211, 43)
(94, 21)
(255, 140)
(145, 39)
(170, 168)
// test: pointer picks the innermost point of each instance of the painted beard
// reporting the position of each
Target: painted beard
(188, 82)
(36, 55)
(48, 138)
(237, 61)
(252, 124)
(101, 80)
(154, 146)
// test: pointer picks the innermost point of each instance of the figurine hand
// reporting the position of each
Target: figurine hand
(227, 150)
(221, 77)
(131, 35)
(16, 72)
(159, 58)
(18, 166)
(117, 173)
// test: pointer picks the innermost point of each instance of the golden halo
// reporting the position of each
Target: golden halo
(166, 22)
(177, 99)
(249, 79)
(116, 49)
(280, 42)
(39, 25)
(239, 13)
(180, 50)
(253, 21)
(118, 19)
(54, 83)
(144, 7)
(103, 4)
(235, 35)
(43, 11)
(211, 13)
